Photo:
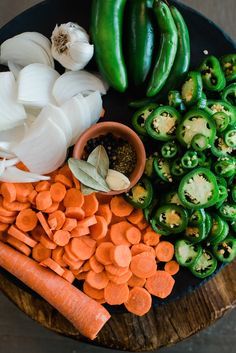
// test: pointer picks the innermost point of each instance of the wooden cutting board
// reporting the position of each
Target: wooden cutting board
(163, 326)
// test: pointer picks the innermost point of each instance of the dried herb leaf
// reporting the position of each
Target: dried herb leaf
(87, 174)
(99, 159)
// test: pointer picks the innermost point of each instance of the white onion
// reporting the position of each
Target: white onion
(9, 138)
(72, 83)
(7, 155)
(94, 102)
(15, 175)
(35, 84)
(15, 69)
(12, 113)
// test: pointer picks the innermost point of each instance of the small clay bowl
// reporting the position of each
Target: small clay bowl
(118, 130)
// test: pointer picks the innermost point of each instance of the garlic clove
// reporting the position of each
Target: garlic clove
(117, 181)
(65, 60)
(81, 52)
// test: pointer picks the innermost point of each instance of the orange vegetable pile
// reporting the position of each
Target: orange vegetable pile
(100, 240)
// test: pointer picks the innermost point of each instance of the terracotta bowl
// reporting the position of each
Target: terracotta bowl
(118, 130)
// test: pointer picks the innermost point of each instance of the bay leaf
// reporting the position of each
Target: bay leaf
(86, 190)
(87, 174)
(99, 159)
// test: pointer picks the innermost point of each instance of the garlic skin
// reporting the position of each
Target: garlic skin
(71, 47)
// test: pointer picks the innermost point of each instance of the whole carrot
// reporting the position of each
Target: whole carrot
(84, 313)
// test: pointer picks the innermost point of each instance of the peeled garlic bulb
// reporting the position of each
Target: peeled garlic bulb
(116, 180)
(70, 46)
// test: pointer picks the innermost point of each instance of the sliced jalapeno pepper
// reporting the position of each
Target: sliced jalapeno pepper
(208, 223)
(190, 160)
(228, 63)
(205, 265)
(191, 90)
(149, 167)
(201, 103)
(223, 194)
(228, 212)
(141, 195)
(225, 167)
(198, 189)
(171, 217)
(157, 228)
(139, 118)
(222, 121)
(220, 149)
(187, 253)
(225, 251)
(195, 233)
(196, 122)
(172, 197)
(177, 168)
(197, 217)
(174, 99)
(169, 149)
(229, 94)
(216, 106)
(162, 169)
(233, 226)
(230, 137)
(221, 236)
(212, 74)
(162, 122)
(233, 193)
(216, 228)
(199, 142)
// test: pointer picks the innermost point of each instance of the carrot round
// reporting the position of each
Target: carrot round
(116, 271)
(57, 254)
(93, 292)
(44, 224)
(160, 284)
(75, 212)
(60, 218)
(45, 241)
(87, 222)
(58, 192)
(18, 245)
(50, 263)
(73, 198)
(24, 238)
(79, 232)
(8, 191)
(70, 254)
(23, 190)
(99, 230)
(69, 224)
(90, 205)
(95, 265)
(102, 253)
(121, 255)
(133, 235)
(61, 237)
(120, 207)
(81, 276)
(86, 267)
(68, 275)
(76, 182)
(32, 197)
(26, 220)
(172, 267)
(151, 238)
(116, 219)
(97, 280)
(143, 266)
(118, 233)
(139, 301)
(63, 179)
(116, 294)
(74, 265)
(120, 279)
(65, 170)
(103, 198)
(7, 220)
(165, 251)
(143, 224)
(81, 249)
(105, 211)
(54, 207)
(37, 232)
(6, 213)
(15, 205)
(3, 227)
(140, 248)
(136, 216)
(43, 200)
(43, 186)
(40, 253)
(135, 281)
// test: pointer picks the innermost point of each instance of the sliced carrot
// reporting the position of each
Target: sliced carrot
(60, 178)
(43, 200)
(8, 191)
(82, 276)
(3, 227)
(151, 238)
(97, 280)
(105, 211)
(172, 267)
(102, 253)
(58, 192)
(95, 265)
(79, 232)
(69, 224)
(76, 182)
(136, 216)
(120, 207)
(15, 206)
(54, 207)
(6, 213)
(165, 251)
(103, 198)
(75, 265)
(21, 166)
(18, 234)
(139, 301)
(23, 190)
(70, 254)
(135, 281)
(3, 237)
(116, 270)
(101, 301)
(50, 263)
(87, 222)
(90, 205)
(143, 224)
(73, 198)
(106, 239)
(81, 249)
(43, 186)
(121, 255)
(116, 219)
(26, 220)
(60, 218)
(61, 237)
(160, 284)
(18, 245)
(118, 233)
(7, 220)
(57, 254)
(40, 253)
(133, 235)
(75, 212)
(140, 248)
(32, 197)
(99, 230)
(116, 294)
(120, 279)
(52, 223)
(93, 292)
(45, 241)
(86, 267)
(37, 232)
(65, 170)
(143, 266)
(68, 275)
(44, 224)
(88, 241)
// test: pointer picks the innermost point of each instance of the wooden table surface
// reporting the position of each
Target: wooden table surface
(19, 334)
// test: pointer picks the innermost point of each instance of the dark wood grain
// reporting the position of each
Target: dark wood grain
(162, 326)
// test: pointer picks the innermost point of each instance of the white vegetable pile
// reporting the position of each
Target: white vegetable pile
(42, 113)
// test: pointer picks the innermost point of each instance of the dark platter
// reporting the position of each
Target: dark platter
(204, 35)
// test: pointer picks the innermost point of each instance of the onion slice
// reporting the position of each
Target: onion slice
(15, 69)
(70, 84)
(9, 138)
(94, 101)
(35, 85)
(15, 175)
(12, 113)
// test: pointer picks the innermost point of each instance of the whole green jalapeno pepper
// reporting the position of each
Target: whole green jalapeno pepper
(229, 94)
(106, 31)
(228, 63)
(212, 74)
